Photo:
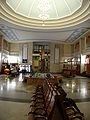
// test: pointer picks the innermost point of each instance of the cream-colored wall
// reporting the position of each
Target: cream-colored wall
(20, 52)
(0, 51)
(0, 43)
(30, 51)
(56, 67)
(83, 44)
(4, 50)
(82, 51)
(61, 56)
(17, 50)
(53, 67)
(67, 50)
(14, 47)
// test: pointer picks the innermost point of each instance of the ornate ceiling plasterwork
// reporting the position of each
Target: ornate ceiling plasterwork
(66, 36)
(8, 33)
(78, 33)
(45, 9)
(81, 15)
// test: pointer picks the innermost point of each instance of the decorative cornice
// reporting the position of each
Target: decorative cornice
(78, 17)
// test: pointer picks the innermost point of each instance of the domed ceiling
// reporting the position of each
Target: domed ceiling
(62, 21)
(45, 14)
(45, 9)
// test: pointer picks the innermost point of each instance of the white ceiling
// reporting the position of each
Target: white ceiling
(15, 28)
(20, 34)
(45, 9)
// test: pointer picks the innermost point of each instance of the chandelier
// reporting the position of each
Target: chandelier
(44, 7)
(44, 16)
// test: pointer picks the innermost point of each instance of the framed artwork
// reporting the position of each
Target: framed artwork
(56, 55)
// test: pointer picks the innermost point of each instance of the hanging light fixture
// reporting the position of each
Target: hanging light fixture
(47, 12)
(44, 16)
(43, 5)
(43, 23)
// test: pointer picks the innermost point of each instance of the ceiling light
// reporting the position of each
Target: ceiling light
(44, 16)
(43, 24)
(56, 9)
(44, 5)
